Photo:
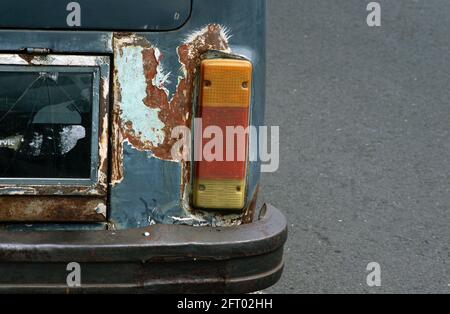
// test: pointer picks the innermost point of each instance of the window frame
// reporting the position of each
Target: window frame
(97, 184)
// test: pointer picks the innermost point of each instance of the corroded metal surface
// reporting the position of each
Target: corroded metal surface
(52, 209)
(144, 112)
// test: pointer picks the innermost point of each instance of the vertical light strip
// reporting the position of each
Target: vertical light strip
(224, 101)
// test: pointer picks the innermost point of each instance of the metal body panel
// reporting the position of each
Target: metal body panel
(147, 187)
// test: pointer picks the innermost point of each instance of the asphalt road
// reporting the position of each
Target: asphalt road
(364, 116)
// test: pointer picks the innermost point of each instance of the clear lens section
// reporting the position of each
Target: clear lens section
(45, 124)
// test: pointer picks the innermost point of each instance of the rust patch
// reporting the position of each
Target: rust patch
(249, 213)
(103, 141)
(173, 112)
(52, 209)
(179, 110)
(117, 148)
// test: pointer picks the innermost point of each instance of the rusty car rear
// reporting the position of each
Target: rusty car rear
(109, 81)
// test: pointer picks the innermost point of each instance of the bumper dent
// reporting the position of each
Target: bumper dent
(173, 259)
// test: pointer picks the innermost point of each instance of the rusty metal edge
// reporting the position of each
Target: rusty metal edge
(52, 209)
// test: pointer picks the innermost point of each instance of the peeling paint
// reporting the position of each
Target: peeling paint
(136, 59)
(161, 78)
(145, 117)
(138, 120)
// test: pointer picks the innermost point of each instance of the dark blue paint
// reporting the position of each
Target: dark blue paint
(114, 15)
(149, 191)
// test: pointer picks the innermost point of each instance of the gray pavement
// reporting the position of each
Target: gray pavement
(365, 143)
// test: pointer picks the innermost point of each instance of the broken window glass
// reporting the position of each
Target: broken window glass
(45, 124)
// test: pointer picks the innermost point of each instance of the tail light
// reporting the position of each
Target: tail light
(224, 103)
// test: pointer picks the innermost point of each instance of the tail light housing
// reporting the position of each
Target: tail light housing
(223, 104)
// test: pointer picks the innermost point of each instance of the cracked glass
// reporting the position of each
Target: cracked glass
(45, 124)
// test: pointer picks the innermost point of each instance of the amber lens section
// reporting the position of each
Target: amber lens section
(224, 101)
(226, 83)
